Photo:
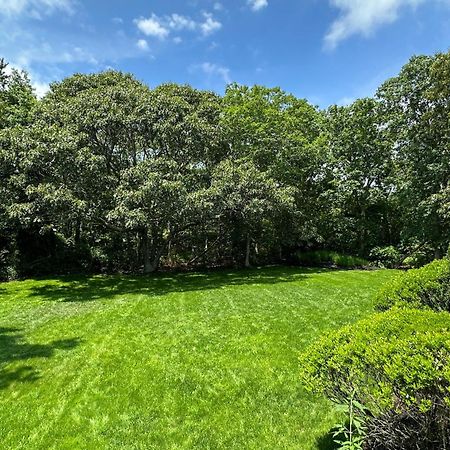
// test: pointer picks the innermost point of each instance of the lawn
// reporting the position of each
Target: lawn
(179, 361)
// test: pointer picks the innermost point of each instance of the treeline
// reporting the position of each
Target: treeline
(106, 174)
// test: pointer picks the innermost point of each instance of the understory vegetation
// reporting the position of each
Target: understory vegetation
(104, 174)
(324, 257)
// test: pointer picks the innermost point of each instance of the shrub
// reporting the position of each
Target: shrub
(386, 256)
(417, 254)
(417, 259)
(397, 365)
(428, 286)
(8, 264)
(325, 257)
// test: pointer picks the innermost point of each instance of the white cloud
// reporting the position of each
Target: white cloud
(210, 25)
(212, 69)
(40, 88)
(178, 22)
(363, 17)
(34, 8)
(142, 44)
(152, 27)
(257, 5)
(161, 27)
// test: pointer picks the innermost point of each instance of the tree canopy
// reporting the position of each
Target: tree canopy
(107, 174)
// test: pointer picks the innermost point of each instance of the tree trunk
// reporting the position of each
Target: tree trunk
(151, 264)
(77, 231)
(247, 251)
(146, 253)
(151, 254)
(362, 233)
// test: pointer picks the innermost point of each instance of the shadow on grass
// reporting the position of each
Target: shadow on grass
(14, 348)
(85, 288)
(326, 442)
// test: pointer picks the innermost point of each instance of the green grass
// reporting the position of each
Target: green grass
(187, 361)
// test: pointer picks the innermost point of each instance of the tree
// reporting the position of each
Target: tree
(17, 99)
(416, 107)
(106, 173)
(360, 168)
(284, 136)
(439, 120)
(248, 200)
(17, 110)
(124, 138)
(158, 201)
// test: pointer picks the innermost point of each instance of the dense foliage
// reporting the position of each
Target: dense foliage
(428, 286)
(106, 174)
(396, 365)
(328, 258)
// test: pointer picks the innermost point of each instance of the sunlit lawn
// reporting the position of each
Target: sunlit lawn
(182, 361)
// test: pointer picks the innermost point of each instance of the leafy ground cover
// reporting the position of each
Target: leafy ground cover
(179, 361)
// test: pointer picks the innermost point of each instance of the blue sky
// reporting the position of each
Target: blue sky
(328, 51)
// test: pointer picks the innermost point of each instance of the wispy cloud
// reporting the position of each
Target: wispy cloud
(363, 17)
(210, 25)
(178, 22)
(162, 27)
(49, 54)
(257, 5)
(142, 44)
(216, 70)
(47, 61)
(34, 8)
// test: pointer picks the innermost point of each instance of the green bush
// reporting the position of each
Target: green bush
(397, 365)
(325, 257)
(415, 261)
(386, 256)
(8, 264)
(428, 286)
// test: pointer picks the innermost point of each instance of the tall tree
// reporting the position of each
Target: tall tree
(121, 134)
(284, 136)
(416, 105)
(361, 168)
(17, 110)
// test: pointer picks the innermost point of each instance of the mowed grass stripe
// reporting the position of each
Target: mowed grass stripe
(205, 361)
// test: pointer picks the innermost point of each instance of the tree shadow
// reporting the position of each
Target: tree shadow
(13, 348)
(87, 288)
(326, 442)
